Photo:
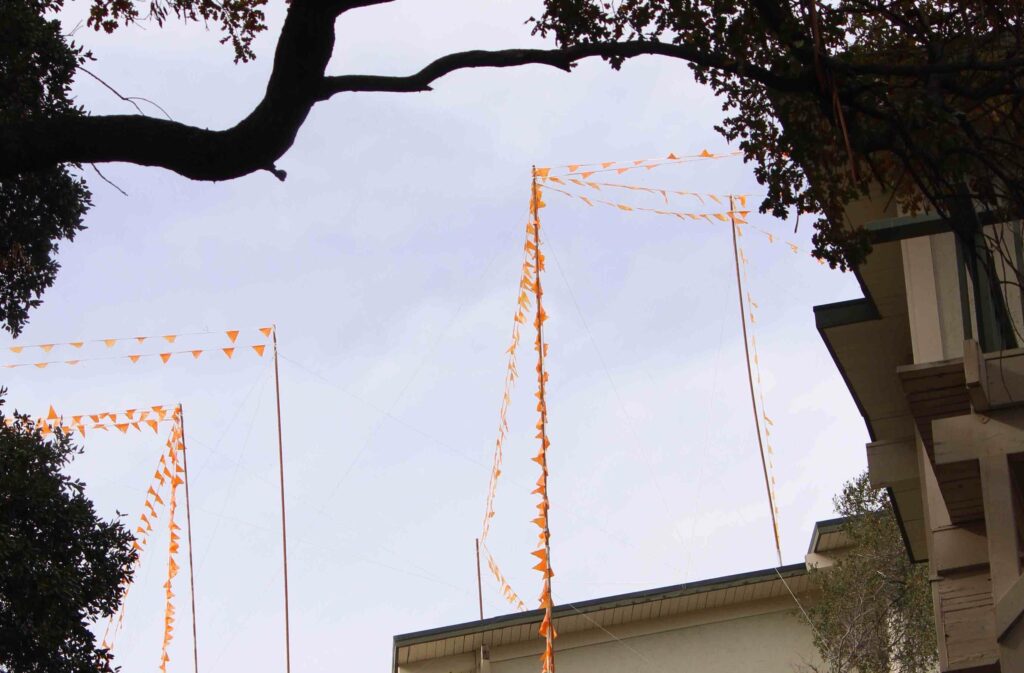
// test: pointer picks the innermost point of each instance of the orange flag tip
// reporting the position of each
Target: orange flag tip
(704, 154)
(134, 358)
(196, 354)
(110, 342)
(265, 331)
(232, 334)
(165, 357)
(259, 348)
(229, 352)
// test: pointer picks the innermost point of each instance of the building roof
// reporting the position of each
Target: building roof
(619, 609)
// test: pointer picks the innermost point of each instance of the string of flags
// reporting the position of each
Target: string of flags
(740, 214)
(621, 167)
(543, 551)
(129, 419)
(231, 334)
(571, 179)
(161, 494)
(227, 351)
(530, 299)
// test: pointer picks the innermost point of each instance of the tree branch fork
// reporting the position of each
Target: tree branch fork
(298, 81)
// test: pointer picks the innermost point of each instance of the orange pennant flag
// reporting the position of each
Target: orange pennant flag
(165, 357)
(16, 349)
(42, 365)
(259, 349)
(266, 330)
(232, 334)
(47, 347)
(196, 354)
(71, 362)
(229, 352)
(52, 414)
(169, 338)
(151, 423)
(77, 344)
(110, 342)
(134, 358)
(123, 427)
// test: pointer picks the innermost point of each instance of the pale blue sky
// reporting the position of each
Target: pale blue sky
(389, 262)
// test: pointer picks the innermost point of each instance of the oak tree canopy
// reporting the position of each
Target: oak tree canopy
(826, 99)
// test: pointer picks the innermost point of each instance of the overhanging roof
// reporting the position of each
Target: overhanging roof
(868, 339)
(600, 613)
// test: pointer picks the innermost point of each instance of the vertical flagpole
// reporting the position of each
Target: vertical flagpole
(548, 657)
(750, 379)
(284, 529)
(479, 582)
(188, 531)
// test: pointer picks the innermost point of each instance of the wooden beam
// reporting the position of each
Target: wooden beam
(1000, 523)
(976, 376)
(958, 548)
(975, 436)
(1009, 608)
(892, 461)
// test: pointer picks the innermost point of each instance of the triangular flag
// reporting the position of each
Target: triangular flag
(52, 414)
(165, 357)
(77, 344)
(134, 358)
(232, 334)
(110, 342)
(140, 339)
(151, 423)
(228, 351)
(267, 330)
(71, 362)
(123, 427)
(42, 365)
(196, 354)
(47, 347)
(170, 338)
(259, 349)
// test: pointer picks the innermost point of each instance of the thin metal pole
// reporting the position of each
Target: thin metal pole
(479, 583)
(188, 532)
(284, 528)
(750, 379)
(549, 663)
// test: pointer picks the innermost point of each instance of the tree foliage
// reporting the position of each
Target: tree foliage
(38, 209)
(919, 97)
(828, 100)
(61, 565)
(875, 610)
